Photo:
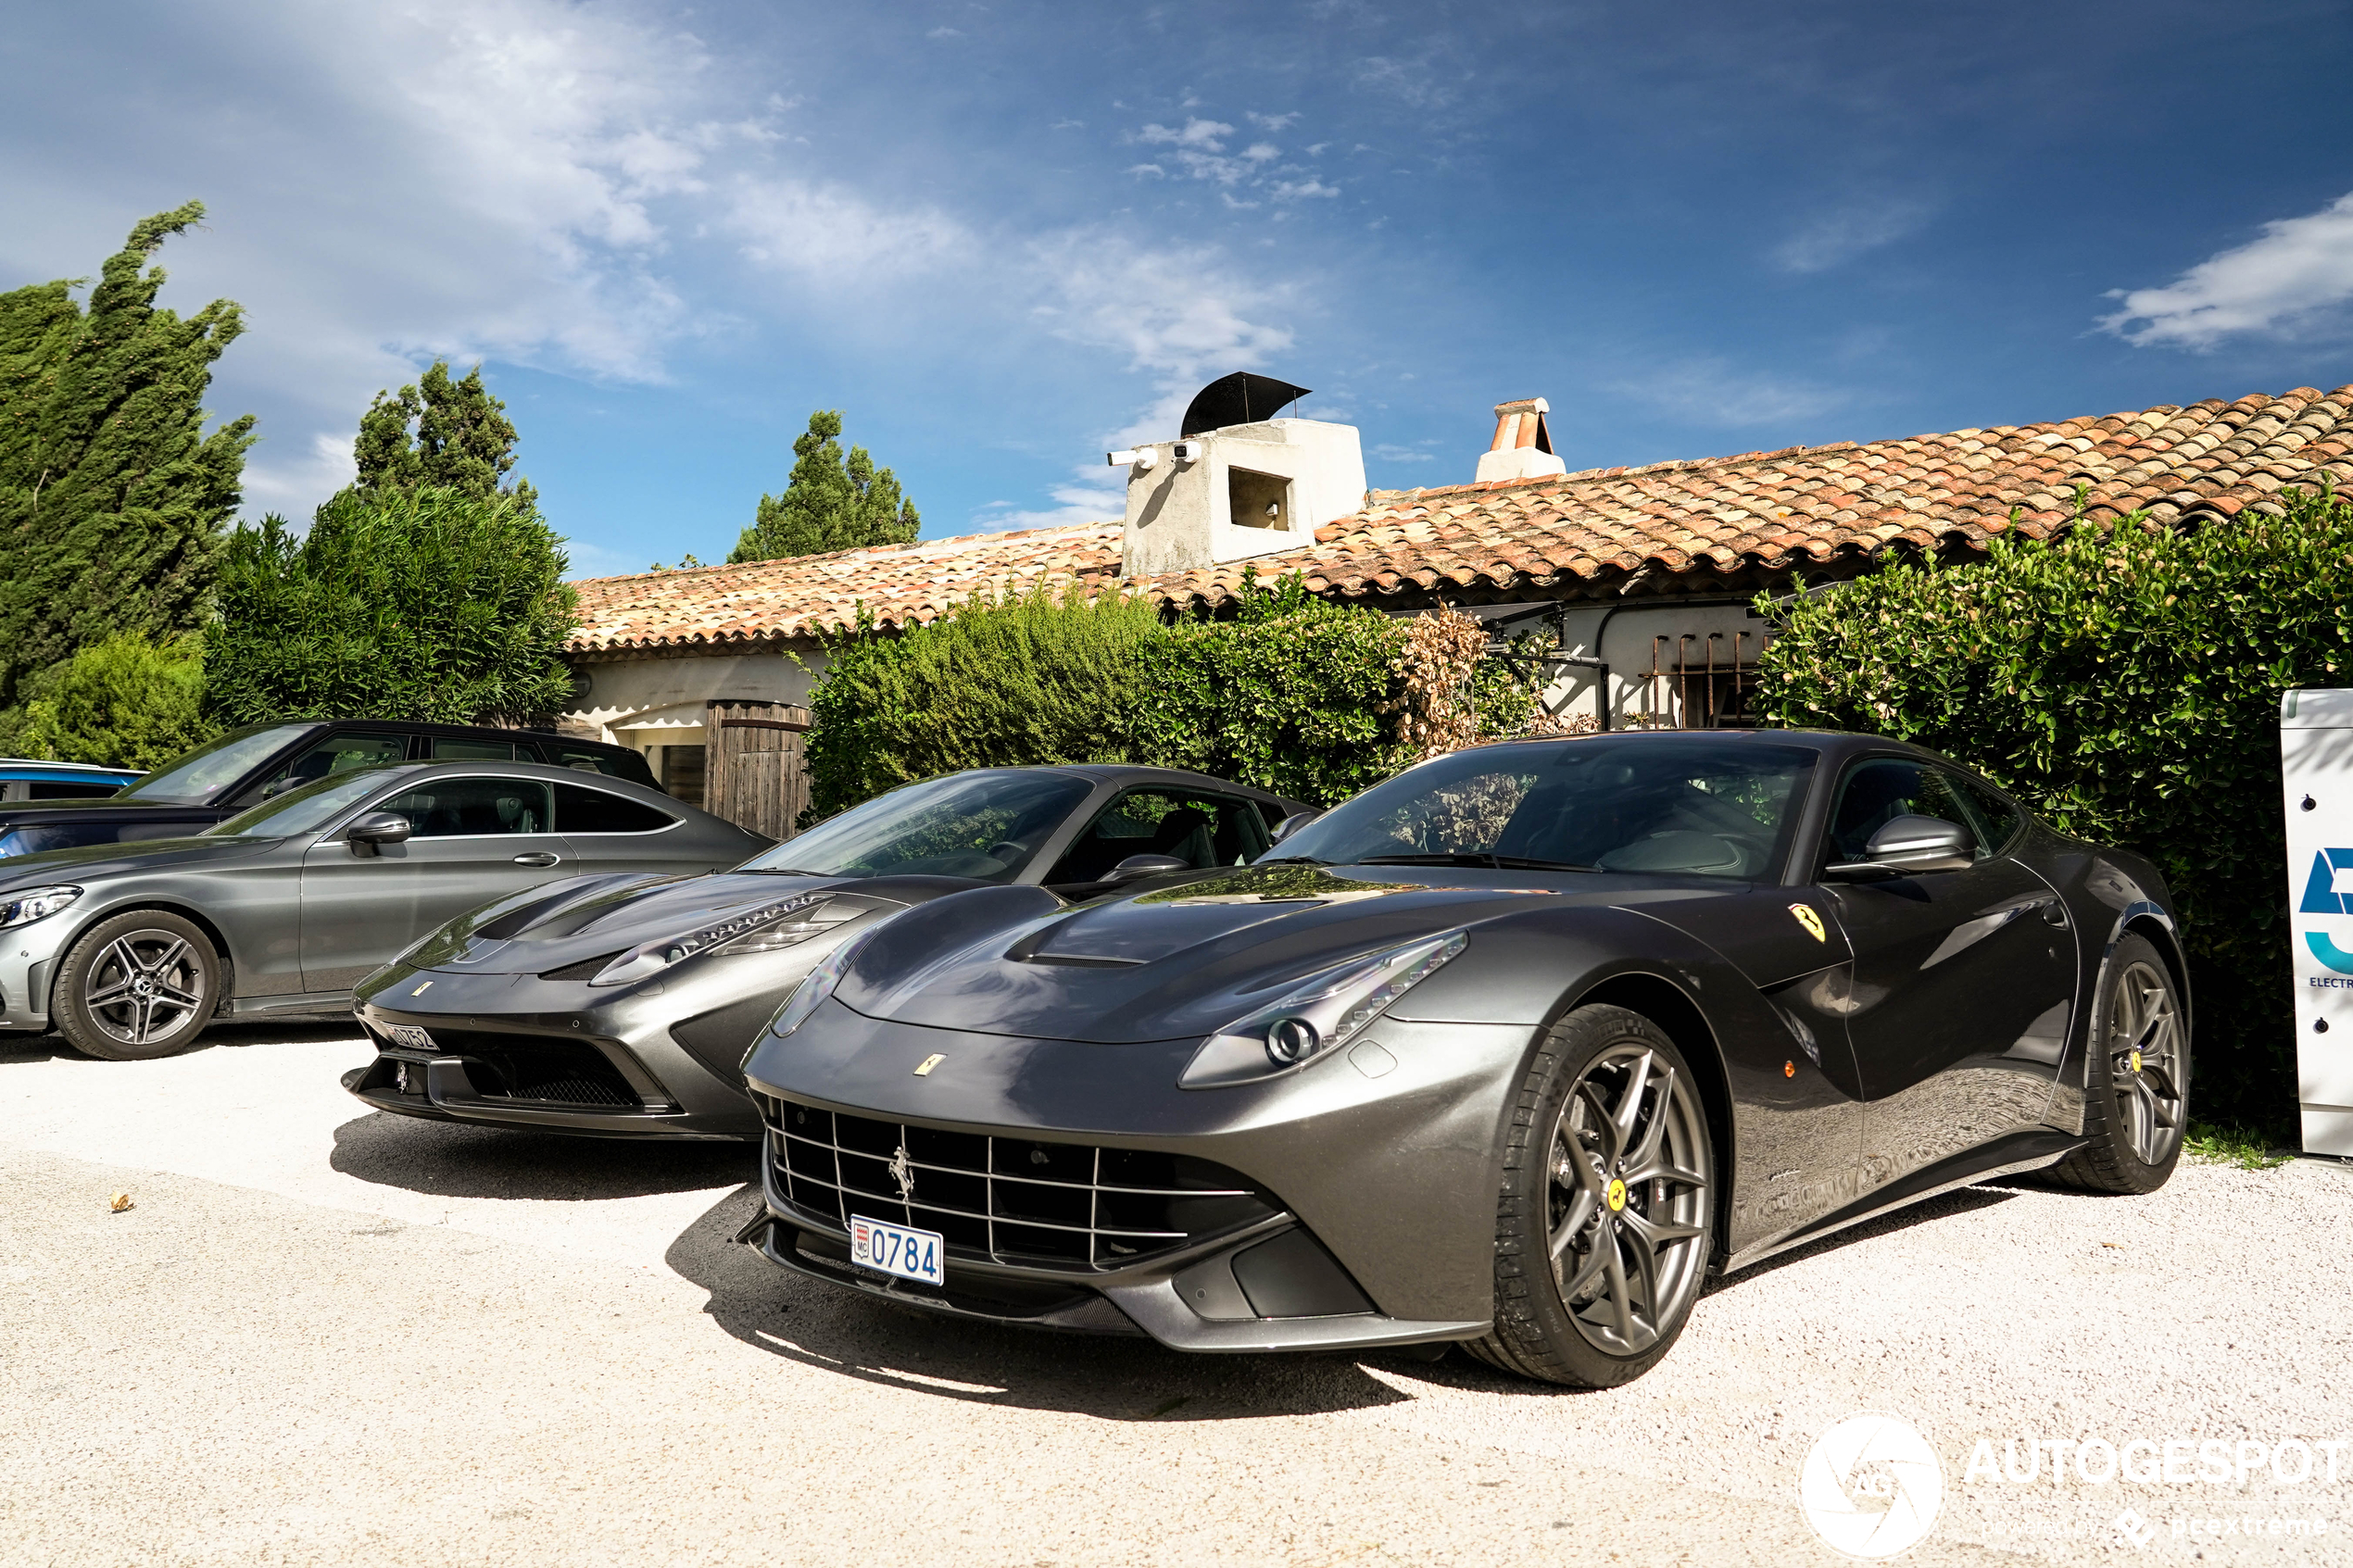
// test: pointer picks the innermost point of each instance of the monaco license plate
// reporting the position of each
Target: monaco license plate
(409, 1035)
(895, 1249)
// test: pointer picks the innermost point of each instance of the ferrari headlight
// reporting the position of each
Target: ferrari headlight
(780, 924)
(816, 986)
(1319, 1017)
(34, 903)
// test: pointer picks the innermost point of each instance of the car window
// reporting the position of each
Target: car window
(474, 808)
(1202, 830)
(583, 760)
(1996, 821)
(301, 809)
(96, 789)
(338, 753)
(1652, 804)
(984, 824)
(579, 810)
(203, 773)
(1877, 792)
(448, 748)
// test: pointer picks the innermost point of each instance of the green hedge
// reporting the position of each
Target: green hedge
(125, 702)
(1293, 695)
(408, 604)
(2126, 683)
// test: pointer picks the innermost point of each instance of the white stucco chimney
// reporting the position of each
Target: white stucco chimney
(1523, 445)
(1230, 493)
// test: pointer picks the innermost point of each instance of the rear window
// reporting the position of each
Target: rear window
(580, 810)
(448, 750)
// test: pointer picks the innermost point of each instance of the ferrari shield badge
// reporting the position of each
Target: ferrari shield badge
(923, 1069)
(1811, 921)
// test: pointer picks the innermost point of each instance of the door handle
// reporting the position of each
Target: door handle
(537, 857)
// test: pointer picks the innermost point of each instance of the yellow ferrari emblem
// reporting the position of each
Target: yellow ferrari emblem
(1810, 920)
(1617, 1195)
(421, 989)
(929, 1062)
(2136, 1061)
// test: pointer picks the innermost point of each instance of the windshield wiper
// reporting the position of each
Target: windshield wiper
(1292, 860)
(789, 871)
(1474, 858)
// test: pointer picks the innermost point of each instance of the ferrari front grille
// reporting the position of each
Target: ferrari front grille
(1018, 1200)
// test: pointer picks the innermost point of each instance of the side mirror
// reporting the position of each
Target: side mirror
(1910, 845)
(1137, 867)
(1292, 823)
(377, 829)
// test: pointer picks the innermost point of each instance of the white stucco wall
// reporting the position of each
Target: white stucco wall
(664, 695)
(1623, 637)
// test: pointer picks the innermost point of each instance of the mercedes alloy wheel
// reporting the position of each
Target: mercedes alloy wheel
(137, 986)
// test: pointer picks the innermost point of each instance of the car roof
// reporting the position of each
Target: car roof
(41, 768)
(1127, 772)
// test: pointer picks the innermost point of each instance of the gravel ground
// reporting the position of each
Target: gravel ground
(327, 1335)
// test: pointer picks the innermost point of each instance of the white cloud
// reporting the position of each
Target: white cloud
(1181, 315)
(1207, 134)
(1838, 236)
(1259, 152)
(1715, 392)
(1296, 190)
(1273, 121)
(2297, 270)
(296, 485)
(828, 232)
(945, 33)
(1390, 453)
(1087, 497)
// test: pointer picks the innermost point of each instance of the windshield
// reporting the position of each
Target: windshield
(205, 771)
(1632, 803)
(985, 825)
(301, 811)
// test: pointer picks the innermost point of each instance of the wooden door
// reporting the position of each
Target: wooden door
(755, 774)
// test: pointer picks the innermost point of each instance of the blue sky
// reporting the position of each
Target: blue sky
(1006, 237)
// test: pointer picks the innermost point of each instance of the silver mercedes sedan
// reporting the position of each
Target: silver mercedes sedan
(131, 949)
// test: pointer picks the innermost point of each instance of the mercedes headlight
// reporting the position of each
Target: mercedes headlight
(781, 925)
(34, 903)
(1319, 1016)
(817, 986)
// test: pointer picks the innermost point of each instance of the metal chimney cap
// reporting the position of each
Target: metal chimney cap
(1238, 399)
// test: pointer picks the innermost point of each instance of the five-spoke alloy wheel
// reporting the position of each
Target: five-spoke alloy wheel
(1604, 1223)
(137, 986)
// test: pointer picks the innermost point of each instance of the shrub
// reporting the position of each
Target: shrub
(125, 702)
(2126, 684)
(1045, 676)
(1309, 699)
(405, 604)
(1293, 695)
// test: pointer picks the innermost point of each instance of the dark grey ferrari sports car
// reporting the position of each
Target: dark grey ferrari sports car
(1512, 1050)
(621, 1005)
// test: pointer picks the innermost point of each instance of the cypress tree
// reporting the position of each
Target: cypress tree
(830, 503)
(112, 498)
(450, 434)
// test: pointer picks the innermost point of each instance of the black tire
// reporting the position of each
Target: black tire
(2137, 1077)
(1602, 1249)
(137, 986)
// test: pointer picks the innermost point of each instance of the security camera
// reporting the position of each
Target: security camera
(1190, 451)
(1142, 459)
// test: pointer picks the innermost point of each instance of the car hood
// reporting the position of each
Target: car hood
(561, 925)
(86, 863)
(1184, 960)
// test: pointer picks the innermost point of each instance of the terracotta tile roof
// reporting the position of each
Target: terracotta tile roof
(1723, 520)
(903, 585)
(1684, 527)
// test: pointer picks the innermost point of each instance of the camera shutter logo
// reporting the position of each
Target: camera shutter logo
(1871, 1486)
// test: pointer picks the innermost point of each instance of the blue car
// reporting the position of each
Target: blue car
(25, 779)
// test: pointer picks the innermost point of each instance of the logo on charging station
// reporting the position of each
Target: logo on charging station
(2321, 897)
